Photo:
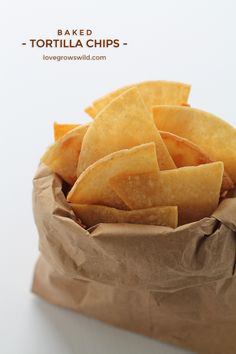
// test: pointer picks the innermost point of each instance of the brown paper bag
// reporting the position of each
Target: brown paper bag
(178, 286)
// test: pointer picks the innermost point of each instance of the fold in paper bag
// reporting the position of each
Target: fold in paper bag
(178, 286)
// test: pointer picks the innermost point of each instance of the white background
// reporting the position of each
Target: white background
(184, 40)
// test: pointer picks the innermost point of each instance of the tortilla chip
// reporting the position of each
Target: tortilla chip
(152, 92)
(90, 111)
(62, 129)
(92, 187)
(91, 215)
(185, 153)
(195, 190)
(62, 157)
(124, 123)
(216, 137)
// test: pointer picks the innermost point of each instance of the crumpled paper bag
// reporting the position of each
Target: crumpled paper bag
(178, 286)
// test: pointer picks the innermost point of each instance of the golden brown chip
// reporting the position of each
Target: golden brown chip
(62, 129)
(91, 215)
(62, 156)
(182, 151)
(195, 190)
(124, 123)
(153, 93)
(92, 187)
(185, 153)
(90, 111)
(216, 137)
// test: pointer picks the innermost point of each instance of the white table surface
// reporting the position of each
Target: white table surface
(189, 41)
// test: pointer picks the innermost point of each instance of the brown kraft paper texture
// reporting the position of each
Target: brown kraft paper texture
(176, 285)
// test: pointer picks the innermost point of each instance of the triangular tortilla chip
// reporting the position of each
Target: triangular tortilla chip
(62, 157)
(153, 93)
(91, 215)
(124, 123)
(195, 190)
(216, 137)
(185, 153)
(92, 187)
(62, 129)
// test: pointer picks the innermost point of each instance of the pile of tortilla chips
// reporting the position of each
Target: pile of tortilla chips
(147, 157)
